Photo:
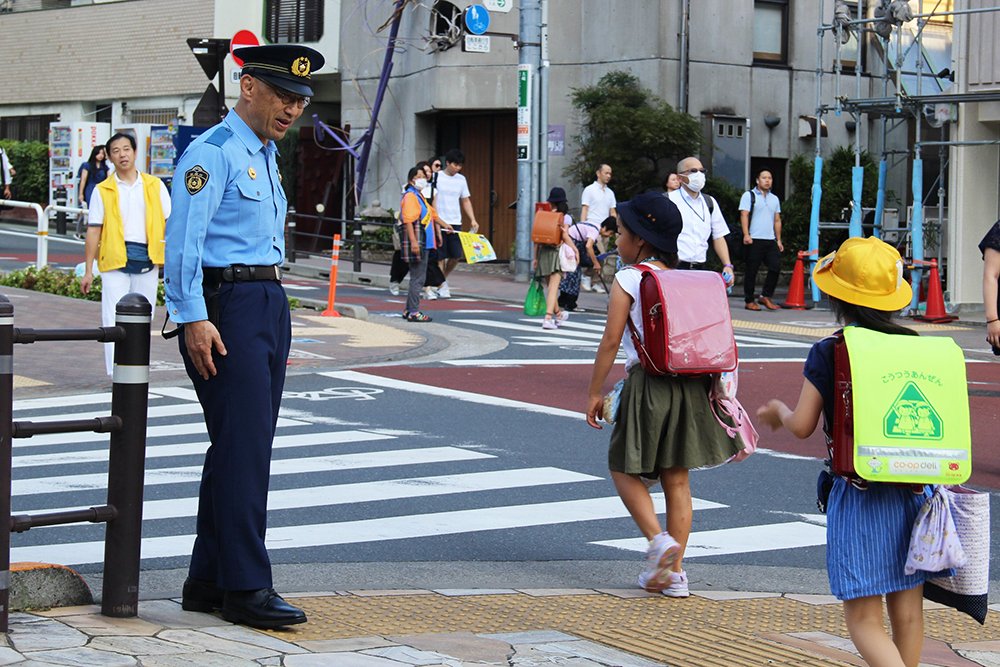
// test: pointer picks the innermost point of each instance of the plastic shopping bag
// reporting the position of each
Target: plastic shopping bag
(934, 543)
(534, 302)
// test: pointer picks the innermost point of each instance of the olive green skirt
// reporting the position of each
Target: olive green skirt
(548, 260)
(667, 422)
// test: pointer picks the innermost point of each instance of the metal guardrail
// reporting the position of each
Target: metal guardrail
(351, 232)
(127, 460)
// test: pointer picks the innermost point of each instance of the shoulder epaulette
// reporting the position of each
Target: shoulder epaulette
(221, 135)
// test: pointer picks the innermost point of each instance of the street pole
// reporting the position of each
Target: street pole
(543, 107)
(529, 59)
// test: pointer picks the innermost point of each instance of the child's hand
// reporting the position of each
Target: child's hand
(771, 414)
(595, 410)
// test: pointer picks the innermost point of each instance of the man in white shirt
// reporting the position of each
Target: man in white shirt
(6, 173)
(760, 218)
(127, 243)
(598, 202)
(703, 221)
(450, 199)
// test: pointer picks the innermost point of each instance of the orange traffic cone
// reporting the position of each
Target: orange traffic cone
(935, 299)
(797, 289)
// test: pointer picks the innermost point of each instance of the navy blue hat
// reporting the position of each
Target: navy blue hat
(557, 195)
(286, 66)
(653, 218)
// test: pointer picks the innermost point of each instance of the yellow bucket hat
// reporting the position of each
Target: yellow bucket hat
(865, 272)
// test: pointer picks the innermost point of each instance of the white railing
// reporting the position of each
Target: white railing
(42, 255)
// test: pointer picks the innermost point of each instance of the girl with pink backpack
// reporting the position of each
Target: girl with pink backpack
(664, 425)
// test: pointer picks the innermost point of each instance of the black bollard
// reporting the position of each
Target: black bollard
(126, 466)
(6, 451)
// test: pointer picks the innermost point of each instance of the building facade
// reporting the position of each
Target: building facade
(745, 61)
(128, 61)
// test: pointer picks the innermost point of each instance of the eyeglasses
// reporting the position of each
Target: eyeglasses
(695, 171)
(287, 98)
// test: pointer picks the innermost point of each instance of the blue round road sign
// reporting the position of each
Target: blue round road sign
(477, 19)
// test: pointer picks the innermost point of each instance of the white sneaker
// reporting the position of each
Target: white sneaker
(662, 553)
(443, 291)
(585, 284)
(599, 289)
(561, 317)
(430, 293)
(394, 289)
(677, 586)
(548, 323)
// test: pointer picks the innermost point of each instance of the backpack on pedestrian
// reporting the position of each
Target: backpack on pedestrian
(686, 323)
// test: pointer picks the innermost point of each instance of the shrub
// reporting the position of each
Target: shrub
(30, 159)
(626, 126)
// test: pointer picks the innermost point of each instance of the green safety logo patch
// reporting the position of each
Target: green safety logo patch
(913, 417)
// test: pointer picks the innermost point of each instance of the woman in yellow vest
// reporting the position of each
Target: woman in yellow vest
(125, 233)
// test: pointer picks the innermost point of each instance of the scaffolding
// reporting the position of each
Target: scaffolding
(900, 105)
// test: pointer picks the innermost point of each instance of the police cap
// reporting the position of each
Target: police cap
(287, 66)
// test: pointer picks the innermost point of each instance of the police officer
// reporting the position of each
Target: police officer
(224, 244)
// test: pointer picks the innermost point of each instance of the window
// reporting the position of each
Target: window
(770, 31)
(27, 128)
(293, 21)
(153, 116)
(849, 52)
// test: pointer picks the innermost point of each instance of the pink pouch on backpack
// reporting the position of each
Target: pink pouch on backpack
(722, 397)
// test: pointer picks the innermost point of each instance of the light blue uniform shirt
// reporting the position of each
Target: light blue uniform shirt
(228, 208)
(764, 209)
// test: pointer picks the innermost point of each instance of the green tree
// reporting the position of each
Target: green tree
(836, 199)
(31, 161)
(627, 127)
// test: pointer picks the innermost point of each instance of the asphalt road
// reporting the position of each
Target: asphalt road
(483, 458)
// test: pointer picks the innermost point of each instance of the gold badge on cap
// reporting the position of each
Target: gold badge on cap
(301, 66)
(252, 172)
(195, 179)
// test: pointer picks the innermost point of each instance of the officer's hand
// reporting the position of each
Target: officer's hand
(200, 337)
(86, 281)
(747, 240)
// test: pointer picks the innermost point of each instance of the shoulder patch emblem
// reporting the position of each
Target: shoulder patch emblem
(195, 179)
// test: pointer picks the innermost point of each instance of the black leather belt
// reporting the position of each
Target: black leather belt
(690, 266)
(242, 273)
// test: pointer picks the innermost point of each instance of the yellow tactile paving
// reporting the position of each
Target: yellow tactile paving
(695, 632)
(359, 333)
(21, 381)
(813, 332)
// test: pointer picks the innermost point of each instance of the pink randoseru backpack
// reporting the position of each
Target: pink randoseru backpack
(685, 323)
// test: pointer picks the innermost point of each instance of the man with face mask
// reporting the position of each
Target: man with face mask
(703, 220)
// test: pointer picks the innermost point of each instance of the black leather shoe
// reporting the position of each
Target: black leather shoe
(201, 595)
(262, 608)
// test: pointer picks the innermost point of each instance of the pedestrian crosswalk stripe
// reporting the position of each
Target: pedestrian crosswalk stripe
(524, 327)
(196, 448)
(387, 489)
(380, 459)
(65, 401)
(154, 412)
(487, 363)
(182, 393)
(745, 539)
(493, 401)
(371, 530)
(193, 428)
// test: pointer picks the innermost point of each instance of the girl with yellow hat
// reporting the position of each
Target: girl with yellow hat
(868, 528)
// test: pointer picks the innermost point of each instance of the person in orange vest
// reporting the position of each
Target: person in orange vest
(125, 234)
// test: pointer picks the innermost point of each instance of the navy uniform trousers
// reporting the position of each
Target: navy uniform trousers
(241, 409)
